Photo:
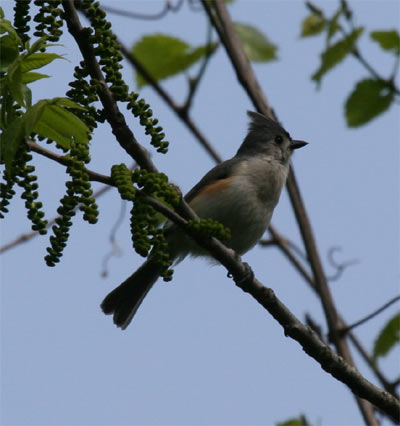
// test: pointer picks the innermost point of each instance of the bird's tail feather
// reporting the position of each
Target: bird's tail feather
(124, 301)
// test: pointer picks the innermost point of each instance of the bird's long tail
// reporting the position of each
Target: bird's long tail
(124, 301)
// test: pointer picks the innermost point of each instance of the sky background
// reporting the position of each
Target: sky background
(200, 351)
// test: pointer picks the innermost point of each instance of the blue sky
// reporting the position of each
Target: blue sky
(200, 351)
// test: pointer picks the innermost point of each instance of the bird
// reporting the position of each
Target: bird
(241, 193)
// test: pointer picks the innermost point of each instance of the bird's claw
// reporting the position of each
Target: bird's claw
(246, 277)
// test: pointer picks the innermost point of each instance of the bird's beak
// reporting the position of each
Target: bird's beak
(297, 144)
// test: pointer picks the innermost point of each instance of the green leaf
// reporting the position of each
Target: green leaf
(47, 118)
(15, 85)
(38, 44)
(388, 40)
(369, 99)
(164, 55)
(8, 51)
(38, 60)
(333, 25)
(255, 44)
(1, 13)
(60, 125)
(33, 115)
(314, 9)
(312, 25)
(68, 103)
(10, 139)
(388, 337)
(6, 27)
(336, 53)
(30, 77)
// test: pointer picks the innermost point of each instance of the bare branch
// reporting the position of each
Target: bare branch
(115, 249)
(181, 112)
(340, 267)
(194, 82)
(120, 129)
(223, 25)
(29, 235)
(314, 326)
(168, 6)
(370, 316)
(389, 387)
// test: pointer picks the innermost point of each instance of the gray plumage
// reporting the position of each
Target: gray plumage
(241, 193)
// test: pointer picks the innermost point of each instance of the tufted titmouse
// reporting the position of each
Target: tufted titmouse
(241, 193)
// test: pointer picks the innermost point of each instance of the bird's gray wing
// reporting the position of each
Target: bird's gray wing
(220, 171)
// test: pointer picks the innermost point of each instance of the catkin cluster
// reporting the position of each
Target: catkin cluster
(145, 221)
(22, 174)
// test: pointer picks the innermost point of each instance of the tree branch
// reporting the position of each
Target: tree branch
(168, 6)
(370, 316)
(223, 25)
(120, 129)
(244, 279)
(181, 112)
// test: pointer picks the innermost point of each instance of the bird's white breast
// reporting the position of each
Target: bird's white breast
(245, 202)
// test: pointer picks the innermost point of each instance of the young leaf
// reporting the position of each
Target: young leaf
(38, 60)
(38, 44)
(15, 85)
(388, 337)
(6, 27)
(10, 139)
(255, 44)
(333, 24)
(314, 9)
(33, 115)
(312, 25)
(165, 56)
(8, 52)
(369, 99)
(60, 125)
(65, 102)
(30, 77)
(388, 40)
(336, 53)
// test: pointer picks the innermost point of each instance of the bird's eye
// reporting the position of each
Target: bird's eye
(278, 139)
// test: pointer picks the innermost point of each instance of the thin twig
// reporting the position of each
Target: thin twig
(179, 111)
(93, 176)
(389, 387)
(370, 316)
(355, 52)
(115, 249)
(168, 6)
(236, 55)
(24, 238)
(309, 320)
(340, 267)
(195, 82)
